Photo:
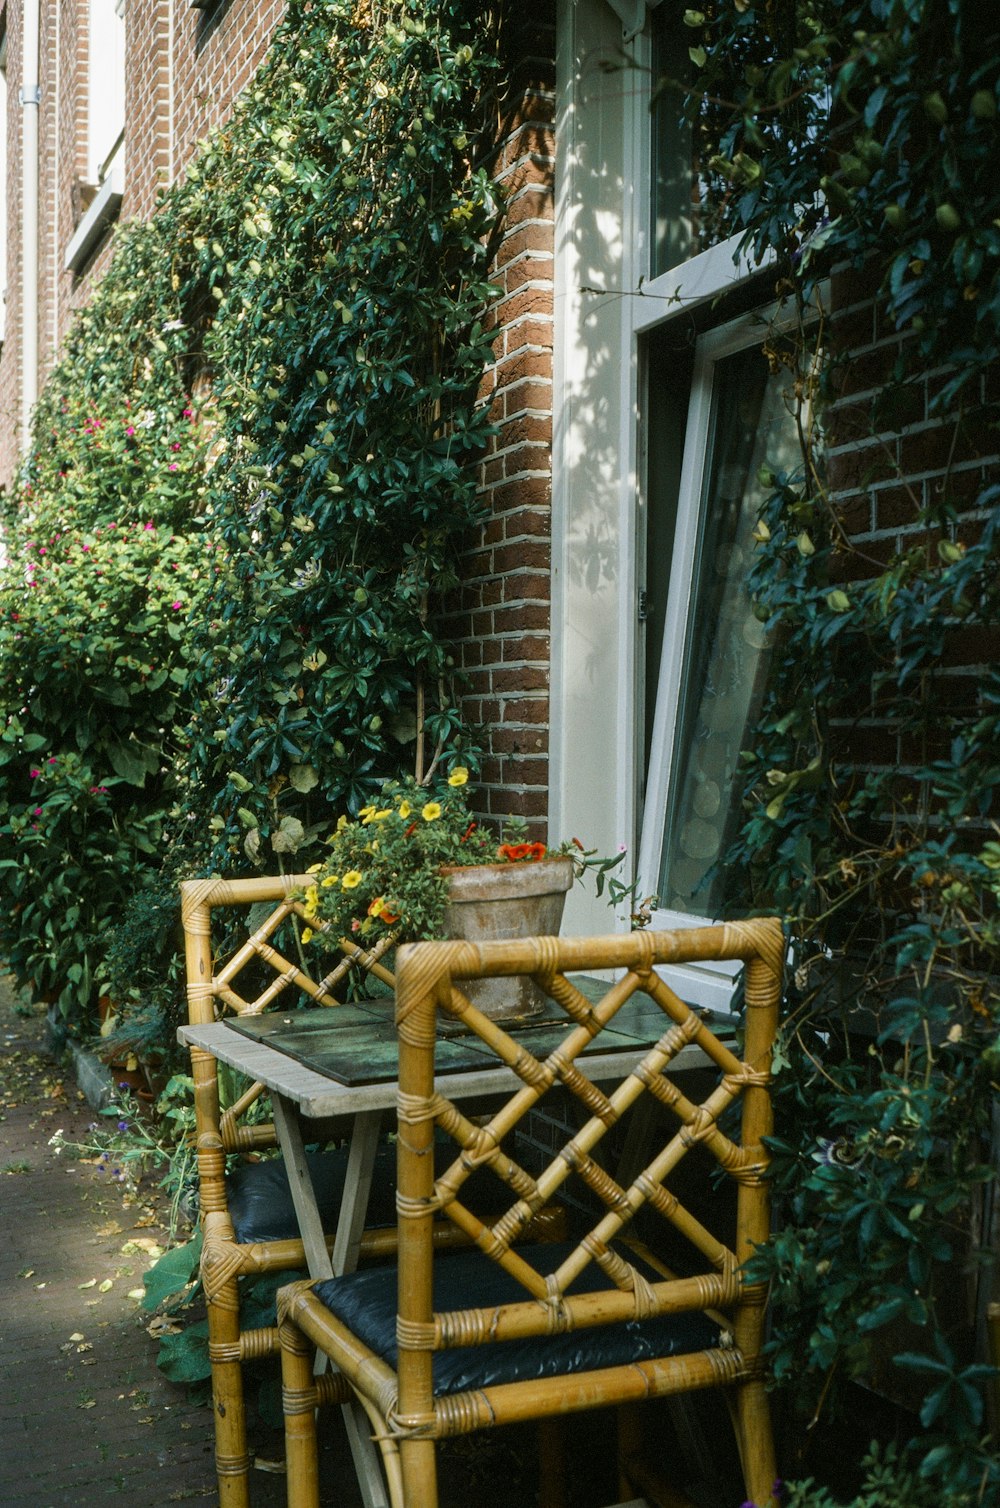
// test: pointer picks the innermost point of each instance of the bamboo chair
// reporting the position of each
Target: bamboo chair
(445, 1344)
(247, 1217)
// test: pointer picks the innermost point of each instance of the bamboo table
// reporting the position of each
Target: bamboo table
(358, 1043)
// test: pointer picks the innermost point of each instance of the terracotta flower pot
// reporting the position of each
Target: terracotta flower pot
(502, 901)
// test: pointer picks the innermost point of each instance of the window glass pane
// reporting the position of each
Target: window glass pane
(671, 205)
(725, 647)
(107, 84)
(687, 201)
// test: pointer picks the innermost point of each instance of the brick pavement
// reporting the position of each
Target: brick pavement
(84, 1412)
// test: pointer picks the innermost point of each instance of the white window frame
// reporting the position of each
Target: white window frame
(707, 985)
(596, 742)
(105, 130)
(106, 88)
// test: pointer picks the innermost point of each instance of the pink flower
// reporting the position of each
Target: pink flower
(84, 548)
(149, 526)
(37, 812)
(130, 430)
(172, 466)
(176, 445)
(52, 759)
(33, 774)
(176, 606)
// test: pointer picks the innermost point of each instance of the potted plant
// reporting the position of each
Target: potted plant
(417, 864)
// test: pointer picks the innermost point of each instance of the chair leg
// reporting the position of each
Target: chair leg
(752, 1418)
(232, 1460)
(419, 1465)
(298, 1401)
(552, 1464)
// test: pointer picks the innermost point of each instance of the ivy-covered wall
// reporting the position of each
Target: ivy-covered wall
(304, 318)
(858, 143)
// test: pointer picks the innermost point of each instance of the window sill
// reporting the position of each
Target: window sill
(101, 213)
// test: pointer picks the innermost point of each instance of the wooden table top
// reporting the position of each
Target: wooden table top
(326, 1045)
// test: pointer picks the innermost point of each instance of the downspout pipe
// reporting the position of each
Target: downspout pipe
(31, 96)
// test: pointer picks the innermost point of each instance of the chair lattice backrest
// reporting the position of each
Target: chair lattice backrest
(244, 956)
(235, 984)
(432, 978)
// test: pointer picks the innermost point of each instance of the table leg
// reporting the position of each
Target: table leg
(357, 1185)
(350, 1224)
(286, 1124)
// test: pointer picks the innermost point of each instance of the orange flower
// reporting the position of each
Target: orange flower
(515, 853)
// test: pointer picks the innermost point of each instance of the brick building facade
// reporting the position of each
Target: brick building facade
(578, 619)
(180, 67)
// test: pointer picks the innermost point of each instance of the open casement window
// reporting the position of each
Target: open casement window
(102, 189)
(705, 677)
(664, 410)
(106, 91)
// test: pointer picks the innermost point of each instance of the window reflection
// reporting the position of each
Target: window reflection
(725, 649)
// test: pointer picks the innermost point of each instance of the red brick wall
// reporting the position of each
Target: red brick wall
(501, 614)
(10, 356)
(890, 461)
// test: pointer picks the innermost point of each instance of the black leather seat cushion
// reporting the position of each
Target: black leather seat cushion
(365, 1301)
(260, 1201)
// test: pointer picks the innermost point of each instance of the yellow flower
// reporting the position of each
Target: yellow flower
(431, 810)
(341, 824)
(331, 879)
(352, 878)
(365, 811)
(404, 808)
(307, 933)
(381, 816)
(314, 869)
(459, 775)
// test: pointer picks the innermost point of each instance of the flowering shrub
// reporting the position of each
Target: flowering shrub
(97, 603)
(226, 610)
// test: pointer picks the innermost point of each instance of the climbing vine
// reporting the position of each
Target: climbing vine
(220, 619)
(856, 144)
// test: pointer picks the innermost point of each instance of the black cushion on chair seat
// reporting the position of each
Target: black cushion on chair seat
(365, 1302)
(260, 1201)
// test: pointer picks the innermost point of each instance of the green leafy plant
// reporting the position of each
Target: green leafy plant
(857, 142)
(221, 619)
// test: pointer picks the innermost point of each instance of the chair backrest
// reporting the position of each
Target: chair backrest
(243, 954)
(730, 1122)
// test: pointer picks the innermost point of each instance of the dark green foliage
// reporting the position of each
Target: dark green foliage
(219, 623)
(107, 572)
(348, 349)
(862, 139)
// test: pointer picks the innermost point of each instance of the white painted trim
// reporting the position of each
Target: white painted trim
(703, 277)
(102, 211)
(677, 626)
